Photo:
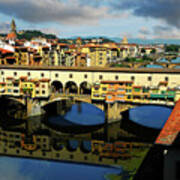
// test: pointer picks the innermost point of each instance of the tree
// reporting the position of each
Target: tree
(153, 51)
(143, 50)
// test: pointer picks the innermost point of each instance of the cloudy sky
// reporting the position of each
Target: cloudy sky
(113, 18)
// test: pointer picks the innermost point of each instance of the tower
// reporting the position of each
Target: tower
(13, 34)
(13, 26)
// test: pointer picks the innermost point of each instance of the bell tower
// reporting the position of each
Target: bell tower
(13, 26)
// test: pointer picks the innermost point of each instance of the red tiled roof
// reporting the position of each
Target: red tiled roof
(9, 77)
(72, 46)
(11, 35)
(44, 80)
(4, 51)
(23, 77)
(10, 57)
(163, 82)
(63, 44)
(171, 128)
(137, 86)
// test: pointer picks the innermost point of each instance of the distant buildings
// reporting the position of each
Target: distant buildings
(80, 53)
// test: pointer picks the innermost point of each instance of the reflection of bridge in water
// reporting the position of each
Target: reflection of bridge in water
(46, 143)
(36, 140)
(46, 147)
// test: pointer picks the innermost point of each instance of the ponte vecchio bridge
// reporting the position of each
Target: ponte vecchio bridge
(77, 82)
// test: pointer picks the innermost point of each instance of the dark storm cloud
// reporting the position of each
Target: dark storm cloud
(167, 10)
(159, 29)
(166, 32)
(36, 11)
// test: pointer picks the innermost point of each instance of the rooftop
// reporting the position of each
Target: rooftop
(171, 128)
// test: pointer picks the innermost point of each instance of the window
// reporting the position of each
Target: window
(28, 73)
(43, 92)
(16, 91)
(2, 72)
(71, 156)
(15, 73)
(116, 77)
(85, 76)
(100, 77)
(37, 92)
(57, 155)
(16, 84)
(104, 89)
(43, 86)
(109, 97)
(120, 96)
(70, 76)
(128, 90)
(166, 78)
(132, 78)
(56, 75)
(121, 90)
(149, 78)
(42, 74)
(137, 89)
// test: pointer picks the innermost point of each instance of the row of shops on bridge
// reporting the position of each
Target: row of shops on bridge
(24, 86)
(108, 91)
(127, 91)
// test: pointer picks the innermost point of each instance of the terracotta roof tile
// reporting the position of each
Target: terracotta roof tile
(171, 128)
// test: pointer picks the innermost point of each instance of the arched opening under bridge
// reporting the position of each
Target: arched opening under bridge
(85, 88)
(57, 86)
(71, 88)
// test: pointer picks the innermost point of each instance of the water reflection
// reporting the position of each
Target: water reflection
(70, 132)
(26, 169)
(77, 118)
(150, 115)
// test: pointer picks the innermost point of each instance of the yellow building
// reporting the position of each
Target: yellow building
(44, 52)
(22, 56)
(124, 52)
(27, 87)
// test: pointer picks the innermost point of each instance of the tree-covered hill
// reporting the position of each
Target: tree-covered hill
(29, 34)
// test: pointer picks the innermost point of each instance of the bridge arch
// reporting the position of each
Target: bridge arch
(71, 88)
(85, 88)
(57, 86)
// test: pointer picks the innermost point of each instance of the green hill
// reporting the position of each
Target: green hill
(29, 34)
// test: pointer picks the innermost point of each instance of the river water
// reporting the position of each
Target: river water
(82, 115)
(27, 169)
